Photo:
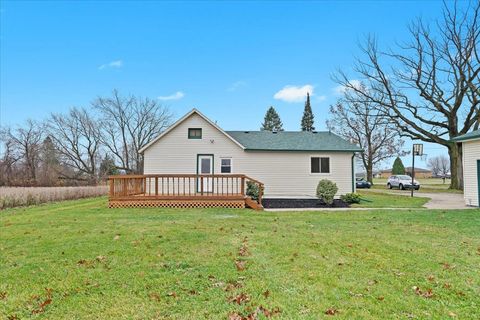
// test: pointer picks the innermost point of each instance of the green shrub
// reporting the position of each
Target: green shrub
(351, 198)
(252, 190)
(326, 191)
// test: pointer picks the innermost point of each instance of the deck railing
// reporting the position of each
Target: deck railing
(181, 186)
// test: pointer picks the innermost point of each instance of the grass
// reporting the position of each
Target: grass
(427, 185)
(26, 196)
(371, 199)
(80, 260)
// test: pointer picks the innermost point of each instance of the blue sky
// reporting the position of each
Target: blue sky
(231, 60)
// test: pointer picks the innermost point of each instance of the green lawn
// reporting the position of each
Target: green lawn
(427, 185)
(371, 199)
(80, 260)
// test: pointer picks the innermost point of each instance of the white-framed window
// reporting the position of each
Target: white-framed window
(319, 165)
(226, 165)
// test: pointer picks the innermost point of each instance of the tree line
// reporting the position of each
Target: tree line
(83, 145)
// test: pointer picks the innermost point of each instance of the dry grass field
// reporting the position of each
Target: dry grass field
(25, 196)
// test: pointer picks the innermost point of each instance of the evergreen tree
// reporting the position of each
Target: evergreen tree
(272, 121)
(398, 167)
(307, 119)
(108, 167)
(50, 166)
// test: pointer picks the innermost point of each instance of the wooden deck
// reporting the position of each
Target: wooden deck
(183, 191)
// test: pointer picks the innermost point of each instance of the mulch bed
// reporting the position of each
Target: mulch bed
(275, 203)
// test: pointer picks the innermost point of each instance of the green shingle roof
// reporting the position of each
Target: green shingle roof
(292, 141)
(468, 136)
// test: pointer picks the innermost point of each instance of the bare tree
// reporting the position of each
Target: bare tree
(128, 124)
(76, 136)
(434, 165)
(9, 158)
(440, 165)
(23, 144)
(362, 124)
(428, 87)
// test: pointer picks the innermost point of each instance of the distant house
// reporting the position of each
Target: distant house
(471, 166)
(419, 173)
(375, 173)
(289, 164)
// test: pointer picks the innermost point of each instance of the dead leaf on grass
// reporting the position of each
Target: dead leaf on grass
(44, 303)
(240, 264)
(172, 294)
(239, 299)
(3, 295)
(447, 266)
(117, 236)
(426, 294)
(266, 293)
(232, 286)
(331, 311)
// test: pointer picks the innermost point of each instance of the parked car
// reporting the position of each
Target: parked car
(362, 183)
(402, 182)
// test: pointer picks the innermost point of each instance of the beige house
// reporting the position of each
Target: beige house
(471, 166)
(289, 164)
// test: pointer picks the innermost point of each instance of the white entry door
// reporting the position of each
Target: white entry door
(205, 166)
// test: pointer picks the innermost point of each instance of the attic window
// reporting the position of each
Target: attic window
(194, 133)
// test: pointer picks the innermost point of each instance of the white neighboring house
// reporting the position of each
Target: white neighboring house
(290, 164)
(471, 166)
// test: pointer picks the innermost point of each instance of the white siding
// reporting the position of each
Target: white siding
(283, 173)
(471, 153)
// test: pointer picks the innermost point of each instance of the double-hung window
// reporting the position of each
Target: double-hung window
(319, 165)
(226, 165)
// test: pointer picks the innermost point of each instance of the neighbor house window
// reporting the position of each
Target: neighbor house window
(194, 133)
(226, 165)
(320, 165)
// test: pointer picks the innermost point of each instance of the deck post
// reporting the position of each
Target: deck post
(201, 185)
(156, 186)
(124, 187)
(112, 188)
(243, 186)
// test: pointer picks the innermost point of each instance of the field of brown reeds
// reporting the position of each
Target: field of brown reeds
(26, 196)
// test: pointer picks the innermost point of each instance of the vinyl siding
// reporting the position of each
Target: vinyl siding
(284, 174)
(471, 153)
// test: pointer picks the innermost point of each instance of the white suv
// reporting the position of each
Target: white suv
(402, 182)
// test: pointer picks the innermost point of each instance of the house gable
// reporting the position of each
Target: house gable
(181, 120)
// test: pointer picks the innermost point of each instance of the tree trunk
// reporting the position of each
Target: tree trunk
(456, 170)
(370, 173)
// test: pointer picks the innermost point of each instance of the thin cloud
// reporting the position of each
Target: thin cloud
(321, 98)
(237, 85)
(294, 93)
(114, 64)
(339, 90)
(176, 96)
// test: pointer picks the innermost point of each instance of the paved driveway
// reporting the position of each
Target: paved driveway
(440, 200)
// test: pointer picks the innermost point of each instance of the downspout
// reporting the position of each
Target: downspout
(353, 173)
